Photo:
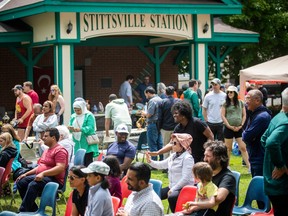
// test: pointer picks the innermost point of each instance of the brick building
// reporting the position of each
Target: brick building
(88, 47)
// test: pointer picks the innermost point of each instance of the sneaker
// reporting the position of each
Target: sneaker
(249, 170)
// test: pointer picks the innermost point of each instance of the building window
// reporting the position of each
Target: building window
(106, 83)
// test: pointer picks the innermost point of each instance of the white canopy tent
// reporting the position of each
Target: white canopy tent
(276, 69)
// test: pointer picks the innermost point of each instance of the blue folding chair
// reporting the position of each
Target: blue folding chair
(79, 157)
(255, 191)
(142, 145)
(48, 198)
(237, 177)
(157, 186)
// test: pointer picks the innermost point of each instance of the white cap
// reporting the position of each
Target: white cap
(233, 88)
(122, 128)
(216, 81)
(98, 167)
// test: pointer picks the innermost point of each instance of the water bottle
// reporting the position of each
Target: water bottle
(94, 110)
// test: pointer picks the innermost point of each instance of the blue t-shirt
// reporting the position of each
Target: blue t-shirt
(122, 150)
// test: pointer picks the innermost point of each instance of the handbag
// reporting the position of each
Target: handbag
(92, 139)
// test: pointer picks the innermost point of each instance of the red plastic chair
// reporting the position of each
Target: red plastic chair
(270, 213)
(69, 205)
(124, 188)
(6, 176)
(2, 170)
(100, 156)
(115, 203)
(188, 193)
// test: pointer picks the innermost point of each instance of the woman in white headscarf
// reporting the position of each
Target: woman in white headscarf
(82, 124)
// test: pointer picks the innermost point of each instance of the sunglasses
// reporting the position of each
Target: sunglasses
(52, 90)
(174, 143)
(230, 92)
(72, 178)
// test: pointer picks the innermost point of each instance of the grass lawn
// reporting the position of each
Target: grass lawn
(235, 164)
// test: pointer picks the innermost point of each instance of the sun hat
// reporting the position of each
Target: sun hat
(184, 139)
(98, 167)
(233, 88)
(122, 128)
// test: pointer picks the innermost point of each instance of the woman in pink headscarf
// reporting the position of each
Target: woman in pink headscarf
(179, 165)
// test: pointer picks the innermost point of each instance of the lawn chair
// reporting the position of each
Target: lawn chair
(187, 193)
(68, 210)
(79, 157)
(2, 170)
(48, 198)
(270, 213)
(157, 186)
(5, 180)
(142, 145)
(124, 189)
(255, 191)
(115, 204)
(237, 177)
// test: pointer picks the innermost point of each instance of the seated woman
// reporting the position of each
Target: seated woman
(8, 150)
(114, 176)
(47, 119)
(77, 180)
(99, 198)
(15, 139)
(179, 166)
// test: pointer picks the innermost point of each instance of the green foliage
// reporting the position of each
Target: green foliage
(267, 17)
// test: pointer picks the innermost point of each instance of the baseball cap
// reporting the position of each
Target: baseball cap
(98, 167)
(19, 87)
(232, 88)
(216, 81)
(122, 128)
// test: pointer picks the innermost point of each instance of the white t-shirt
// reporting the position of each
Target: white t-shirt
(213, 102)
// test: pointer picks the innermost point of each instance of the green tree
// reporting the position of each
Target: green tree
(270, 19)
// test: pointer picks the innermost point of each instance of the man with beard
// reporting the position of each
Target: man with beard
(217, 157)
(143, 200)
(23, 109)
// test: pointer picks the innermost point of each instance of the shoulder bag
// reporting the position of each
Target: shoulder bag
(91, 139)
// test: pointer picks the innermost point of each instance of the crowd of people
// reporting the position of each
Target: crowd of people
(188, 137)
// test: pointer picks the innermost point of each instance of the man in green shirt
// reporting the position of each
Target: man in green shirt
(117, 111)
(192, 97)
(275, 142)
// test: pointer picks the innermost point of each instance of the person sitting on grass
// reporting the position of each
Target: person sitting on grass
(206, 192)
